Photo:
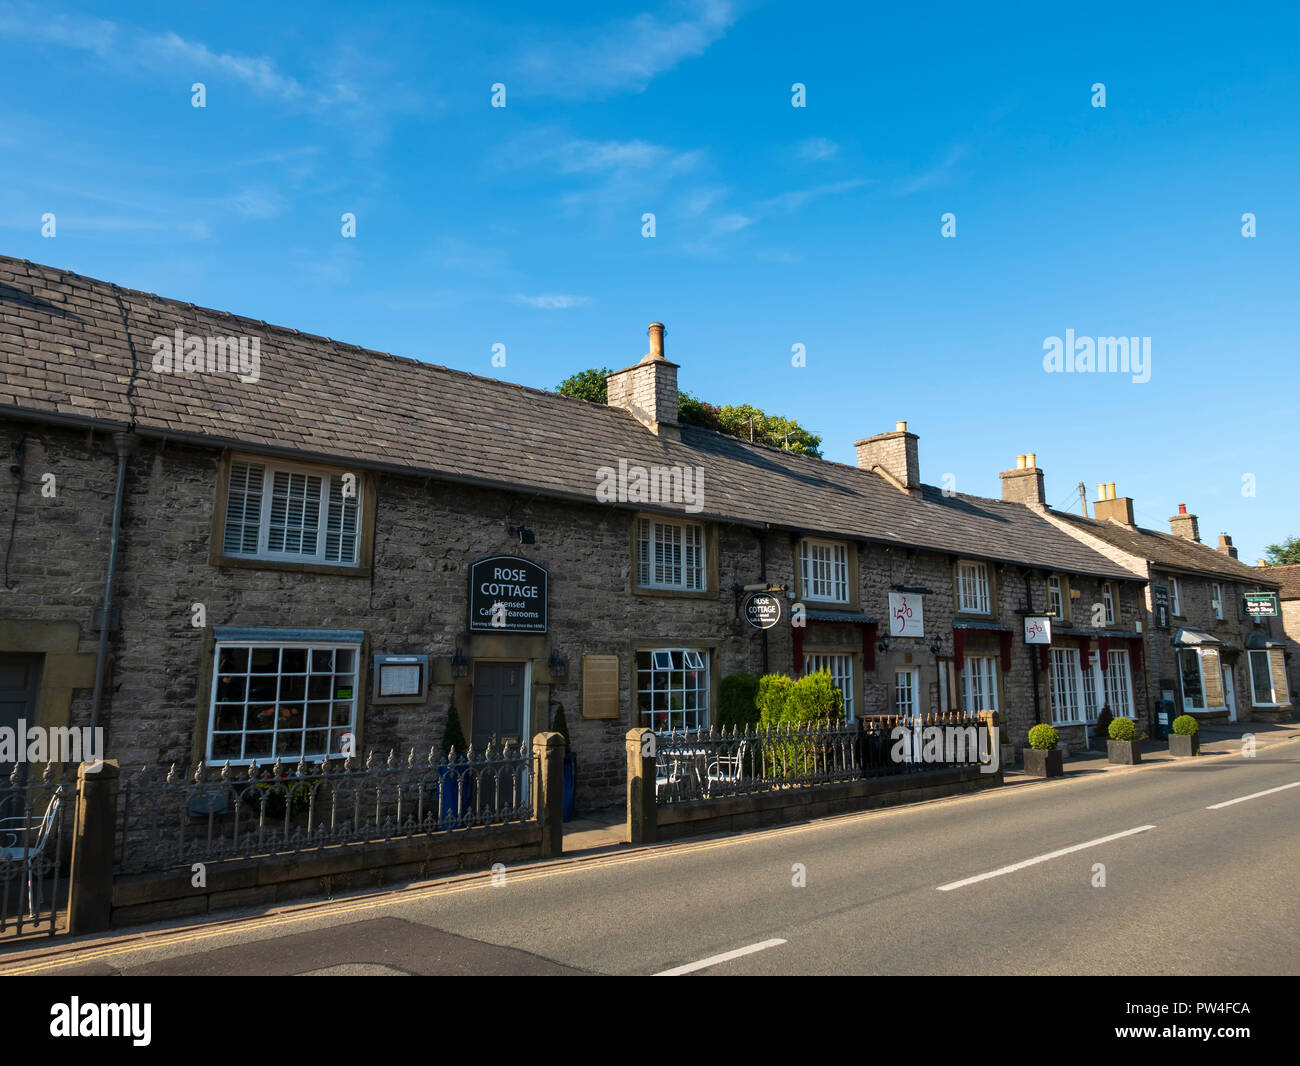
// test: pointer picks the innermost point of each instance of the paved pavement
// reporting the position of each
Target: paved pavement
(1006, 881)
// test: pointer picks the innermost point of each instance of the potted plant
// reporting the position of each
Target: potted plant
(1185, 740)
(1123, 746)
(456, 791)
(560, 725)
(1043, 757)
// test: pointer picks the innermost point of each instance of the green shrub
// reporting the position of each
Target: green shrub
(1186, 726)
(1043, 737)
(737, 702)
(1123, 729)
(561, 725)
(782, 701)
(452, 734)
(773, 696)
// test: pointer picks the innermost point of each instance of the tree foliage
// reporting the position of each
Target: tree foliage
(743, 421)
(1281, 554)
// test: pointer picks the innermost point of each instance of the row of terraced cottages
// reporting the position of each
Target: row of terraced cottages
(318, 540)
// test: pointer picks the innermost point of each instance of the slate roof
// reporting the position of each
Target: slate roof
(80, 350)
(1288, 575)
(1167, 551)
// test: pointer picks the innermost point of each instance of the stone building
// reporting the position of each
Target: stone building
(1205, 651)
(311, 541)
(1288, 576)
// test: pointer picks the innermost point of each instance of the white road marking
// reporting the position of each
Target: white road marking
(1253, 795)
(1042, 858)
(713, 960)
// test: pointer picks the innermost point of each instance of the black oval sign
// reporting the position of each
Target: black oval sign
(762, 610)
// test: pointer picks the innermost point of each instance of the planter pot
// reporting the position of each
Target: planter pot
(1184, 747)
(570, 783)
(1043, 763)
(1007, 754)
(1124, 752)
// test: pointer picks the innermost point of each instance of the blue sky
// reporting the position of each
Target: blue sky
(775, 225)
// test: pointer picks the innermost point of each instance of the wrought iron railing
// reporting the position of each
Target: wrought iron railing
(168, 820)
(711, 764)
(37, 818)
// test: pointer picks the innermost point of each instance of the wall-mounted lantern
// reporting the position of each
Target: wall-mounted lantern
(459, 665)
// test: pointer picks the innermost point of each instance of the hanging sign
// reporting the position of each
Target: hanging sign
(906, 618)
(507, 595)
(1260, 604)
(1038, 629)
(762, 610)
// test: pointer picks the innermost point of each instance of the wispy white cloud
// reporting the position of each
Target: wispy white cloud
(938, 175)
(815, 149)
(625, 56)
(797, 198)
(552, 301)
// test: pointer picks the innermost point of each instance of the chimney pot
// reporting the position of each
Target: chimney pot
(900, 427)
(1031, 460)
(1110, 490)
(1182, 508)
(656, 332)
(1020, 462)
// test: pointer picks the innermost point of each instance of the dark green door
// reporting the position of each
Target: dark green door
(20, 681)
(500, 702)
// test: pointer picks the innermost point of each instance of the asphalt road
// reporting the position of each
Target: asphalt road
(914, 890)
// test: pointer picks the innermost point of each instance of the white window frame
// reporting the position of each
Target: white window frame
(670, 661)
(1268, 662)
(841, 667)
(1119, 685)
(350, 520)
(1175, 600)
(824, 570)
(1108, 599)
(279, 703)
(1056, 595)
(979, 683)
(1216, 600)
(1065, 687)
(683, 556)
(976, 574)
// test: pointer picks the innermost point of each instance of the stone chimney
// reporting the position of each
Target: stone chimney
(1024, 484)
(649, 389)
(894, 457)
(1107, 506)
(1184, 525)
(1225, 545)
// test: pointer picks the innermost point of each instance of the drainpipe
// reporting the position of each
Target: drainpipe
(126, 445)
(1033, 664)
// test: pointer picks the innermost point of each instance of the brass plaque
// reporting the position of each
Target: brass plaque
(600, 686)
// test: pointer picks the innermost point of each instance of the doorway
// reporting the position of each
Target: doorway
(20, 684)
(501, 698)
